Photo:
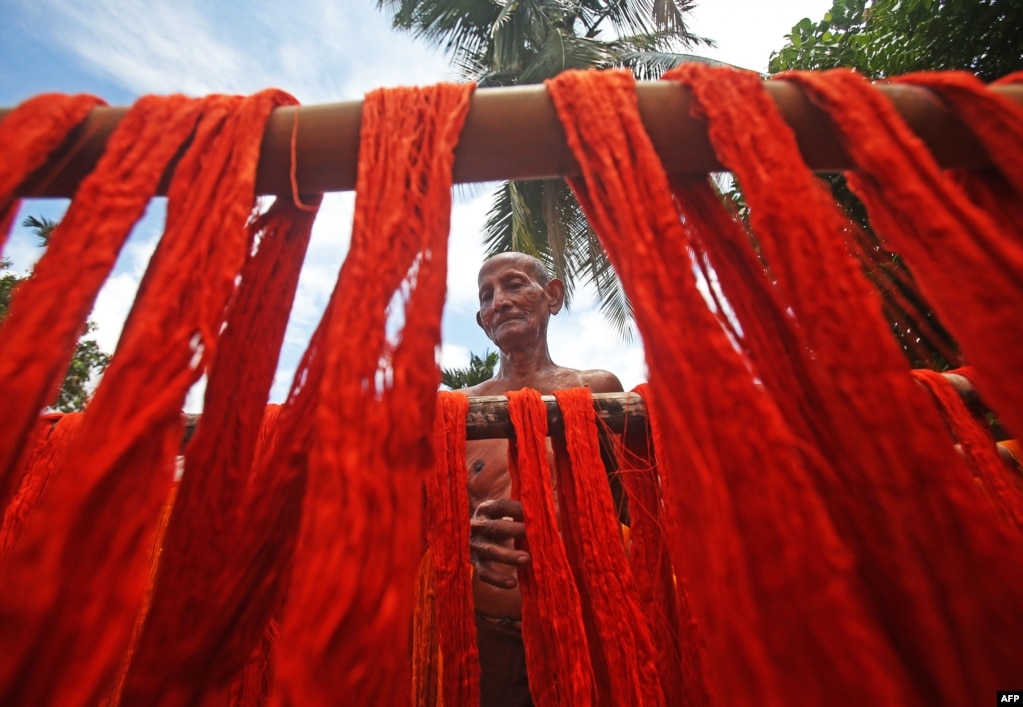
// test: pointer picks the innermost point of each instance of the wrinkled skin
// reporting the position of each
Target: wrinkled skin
(515, 309)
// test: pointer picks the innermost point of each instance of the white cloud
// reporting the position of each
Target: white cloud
(281, 385)
(148, 46)
(196, 396)
(453, 356)
(117, 295)
(310, 48)
(465, 252)
(747, 31)
(584, 339)
(112, 307)
(328, 247)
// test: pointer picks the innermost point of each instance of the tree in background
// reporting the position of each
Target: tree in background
(88, 360)
(515, 42)
(892, 37)
(888, 38)
(478, 370)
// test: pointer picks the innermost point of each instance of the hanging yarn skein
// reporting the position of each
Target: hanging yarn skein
(803, 529)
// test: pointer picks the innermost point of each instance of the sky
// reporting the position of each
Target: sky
(320, 51)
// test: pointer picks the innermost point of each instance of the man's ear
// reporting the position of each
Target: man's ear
(479, 320)
(556, 294)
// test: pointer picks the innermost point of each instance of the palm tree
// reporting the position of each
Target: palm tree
(479, 369)
(515, 42)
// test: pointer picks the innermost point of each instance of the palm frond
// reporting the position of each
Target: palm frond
(507, 9)
(557, 229)
(564, 51)
(660, 41)
(511, 221)
(651, 65)
(591, 262)
(637, 16)
(458, 26)
(540, 218)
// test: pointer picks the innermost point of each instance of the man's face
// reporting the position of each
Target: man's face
(514, 306)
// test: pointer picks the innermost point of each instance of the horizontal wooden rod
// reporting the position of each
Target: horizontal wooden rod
(514, 133)
(488, 415)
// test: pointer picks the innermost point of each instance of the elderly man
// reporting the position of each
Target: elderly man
(517, 300)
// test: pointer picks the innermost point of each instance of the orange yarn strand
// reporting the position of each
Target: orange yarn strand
(663, 589)
(873, 427)
(47, 312)
(207, 520)
(371, 413)
(66, 643)
(557, 656)
(945, 240)
(28, 135)
(734, 486)
(621, 645)
(447, 535)
(55, 436)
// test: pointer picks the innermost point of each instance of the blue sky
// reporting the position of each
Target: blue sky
(321, 51)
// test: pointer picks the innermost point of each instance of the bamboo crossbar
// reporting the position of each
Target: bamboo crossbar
(488, 416)
(514, 133)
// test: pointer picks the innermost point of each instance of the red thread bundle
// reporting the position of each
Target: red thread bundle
(800, 517)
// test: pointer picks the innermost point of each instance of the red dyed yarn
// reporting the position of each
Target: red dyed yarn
(769, 335)
(998, 124)
(64, 643)
(447, 535)
(945, 239)
(251, 684)
(776, 583)
(621, 645)
(47, 312)
(207, 516)
(834, 547)
(978, 445)
(54, 434)
(663, 589)
(873, 426)
(557, 656)
(371, 406)
(28, 135)
(113, 696)
(427, 666)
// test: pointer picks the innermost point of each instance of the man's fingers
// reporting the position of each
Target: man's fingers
(494, 526)
(500, 508)
(491, 562)
(497, 530)
(501, 580)
(484, 551)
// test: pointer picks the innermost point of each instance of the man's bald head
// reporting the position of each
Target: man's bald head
(536, 266)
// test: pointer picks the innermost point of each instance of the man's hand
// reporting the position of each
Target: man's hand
(493, 529)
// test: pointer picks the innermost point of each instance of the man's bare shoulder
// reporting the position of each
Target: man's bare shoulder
(597, 380)
(487, 387)
(601, 381)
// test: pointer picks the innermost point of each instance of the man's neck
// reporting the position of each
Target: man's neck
(524, 368)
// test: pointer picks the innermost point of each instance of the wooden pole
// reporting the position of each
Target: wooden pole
(488, 416)
(514, 133)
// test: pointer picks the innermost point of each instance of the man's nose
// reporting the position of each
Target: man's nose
(501, 299)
